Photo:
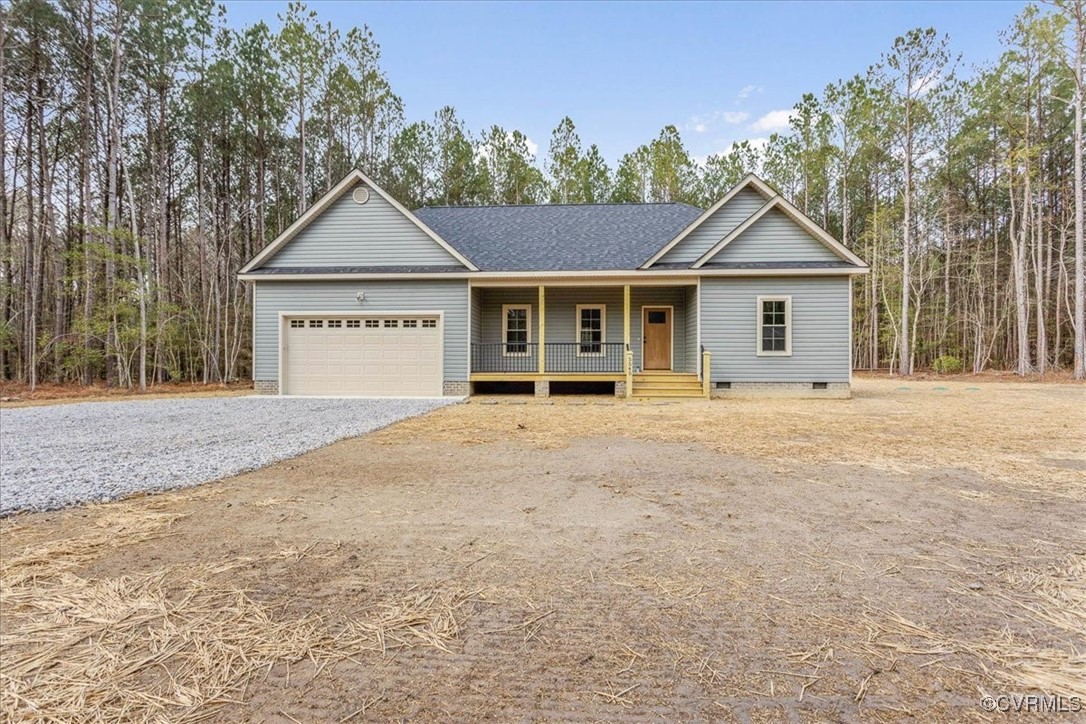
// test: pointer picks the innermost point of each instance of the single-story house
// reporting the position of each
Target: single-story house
(360, 296)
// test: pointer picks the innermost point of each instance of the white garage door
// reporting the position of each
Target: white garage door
(380, 356)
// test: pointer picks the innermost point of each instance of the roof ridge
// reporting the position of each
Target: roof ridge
(522, 206)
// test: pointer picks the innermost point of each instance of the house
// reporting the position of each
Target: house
(361, 296)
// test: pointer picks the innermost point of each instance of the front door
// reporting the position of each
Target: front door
(656, 333)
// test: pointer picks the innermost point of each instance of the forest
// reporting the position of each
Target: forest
(150, 149)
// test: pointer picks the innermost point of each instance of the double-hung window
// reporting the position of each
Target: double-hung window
(774, 326)
(591, 329)
(516, 329)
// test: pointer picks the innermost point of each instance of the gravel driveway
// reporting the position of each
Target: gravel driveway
(61, 455)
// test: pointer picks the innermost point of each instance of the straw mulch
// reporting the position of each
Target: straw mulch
(1051, 600)
(175, 644)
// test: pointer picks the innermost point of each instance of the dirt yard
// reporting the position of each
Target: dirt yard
(897, 555)
(13, 394)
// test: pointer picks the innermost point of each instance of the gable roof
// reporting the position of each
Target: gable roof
(327, 200)
(557, 237)
(773, 200)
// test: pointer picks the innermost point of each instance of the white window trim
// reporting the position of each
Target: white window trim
(603, 329)
(505, 329)
(787, 325)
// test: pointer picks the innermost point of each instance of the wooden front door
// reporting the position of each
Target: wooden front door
(656, 335)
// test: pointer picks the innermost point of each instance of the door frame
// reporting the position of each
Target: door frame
(286, 315)
(671, 337)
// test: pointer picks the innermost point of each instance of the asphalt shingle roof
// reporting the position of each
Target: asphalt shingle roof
(558, 237)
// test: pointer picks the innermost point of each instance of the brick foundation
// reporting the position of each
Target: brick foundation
(456, 389)
(266, 387)
(542, 388)
(795, 390)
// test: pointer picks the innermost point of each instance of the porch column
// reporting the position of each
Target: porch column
(627, 350)
(542, 330)
(626, 316)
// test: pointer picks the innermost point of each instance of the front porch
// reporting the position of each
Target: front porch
(644, 339)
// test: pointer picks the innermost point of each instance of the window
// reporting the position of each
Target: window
(295, 323)
(410, 323)
(354, 323)
(774, 326)
(429, 323)
(335, 323)
(372, 323)
(591, 329)
(316, 322)
(392, 323)
(516, 329)
(657, 317)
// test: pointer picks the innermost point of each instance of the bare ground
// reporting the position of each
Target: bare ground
(899, 554)
(15, 394)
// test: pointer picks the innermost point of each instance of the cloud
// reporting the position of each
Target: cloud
(921, 86)
(747, 91)
(703, 123)
(533, 147)
(772, 121)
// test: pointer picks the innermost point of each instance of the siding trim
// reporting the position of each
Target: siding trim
(749, 180)
(697, 311)
(333, 195)
(648, 277)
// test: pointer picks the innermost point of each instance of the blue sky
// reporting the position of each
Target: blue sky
(720, 72)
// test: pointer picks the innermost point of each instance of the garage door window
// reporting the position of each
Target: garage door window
(429, 323)
(335, 323)
(411, 323)
(354, 323)
(392, 322)
(316, 322)
(371, 323)
(296, 323)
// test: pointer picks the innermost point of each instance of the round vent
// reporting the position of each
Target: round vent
(361, 195)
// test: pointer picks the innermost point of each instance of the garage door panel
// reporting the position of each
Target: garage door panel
(362, 356)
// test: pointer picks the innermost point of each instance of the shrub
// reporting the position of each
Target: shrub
(947, 365)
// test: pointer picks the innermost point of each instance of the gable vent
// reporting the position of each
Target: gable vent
(360, 195)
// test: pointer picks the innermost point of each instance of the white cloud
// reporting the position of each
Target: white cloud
(921, 86)
(747, 91)
(703, 123)
(533, 147)
(772, 121)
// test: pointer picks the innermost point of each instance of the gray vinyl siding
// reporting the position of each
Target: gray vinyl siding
(476, 318)
(820, 329)
(775, 237)
(561, 319)
(449, 297)
(691, 307)
(716, 227)
(371, 234)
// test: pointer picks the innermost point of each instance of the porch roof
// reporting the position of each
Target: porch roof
(559, 237)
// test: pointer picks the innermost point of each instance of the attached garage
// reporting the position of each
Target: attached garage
(364, 356)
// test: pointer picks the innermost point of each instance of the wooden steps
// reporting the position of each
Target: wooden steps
(666, 384)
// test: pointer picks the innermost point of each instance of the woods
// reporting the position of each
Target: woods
(150, 150)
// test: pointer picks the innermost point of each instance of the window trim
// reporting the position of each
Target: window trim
(759, 311)
(505, 330)
(603, 329)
